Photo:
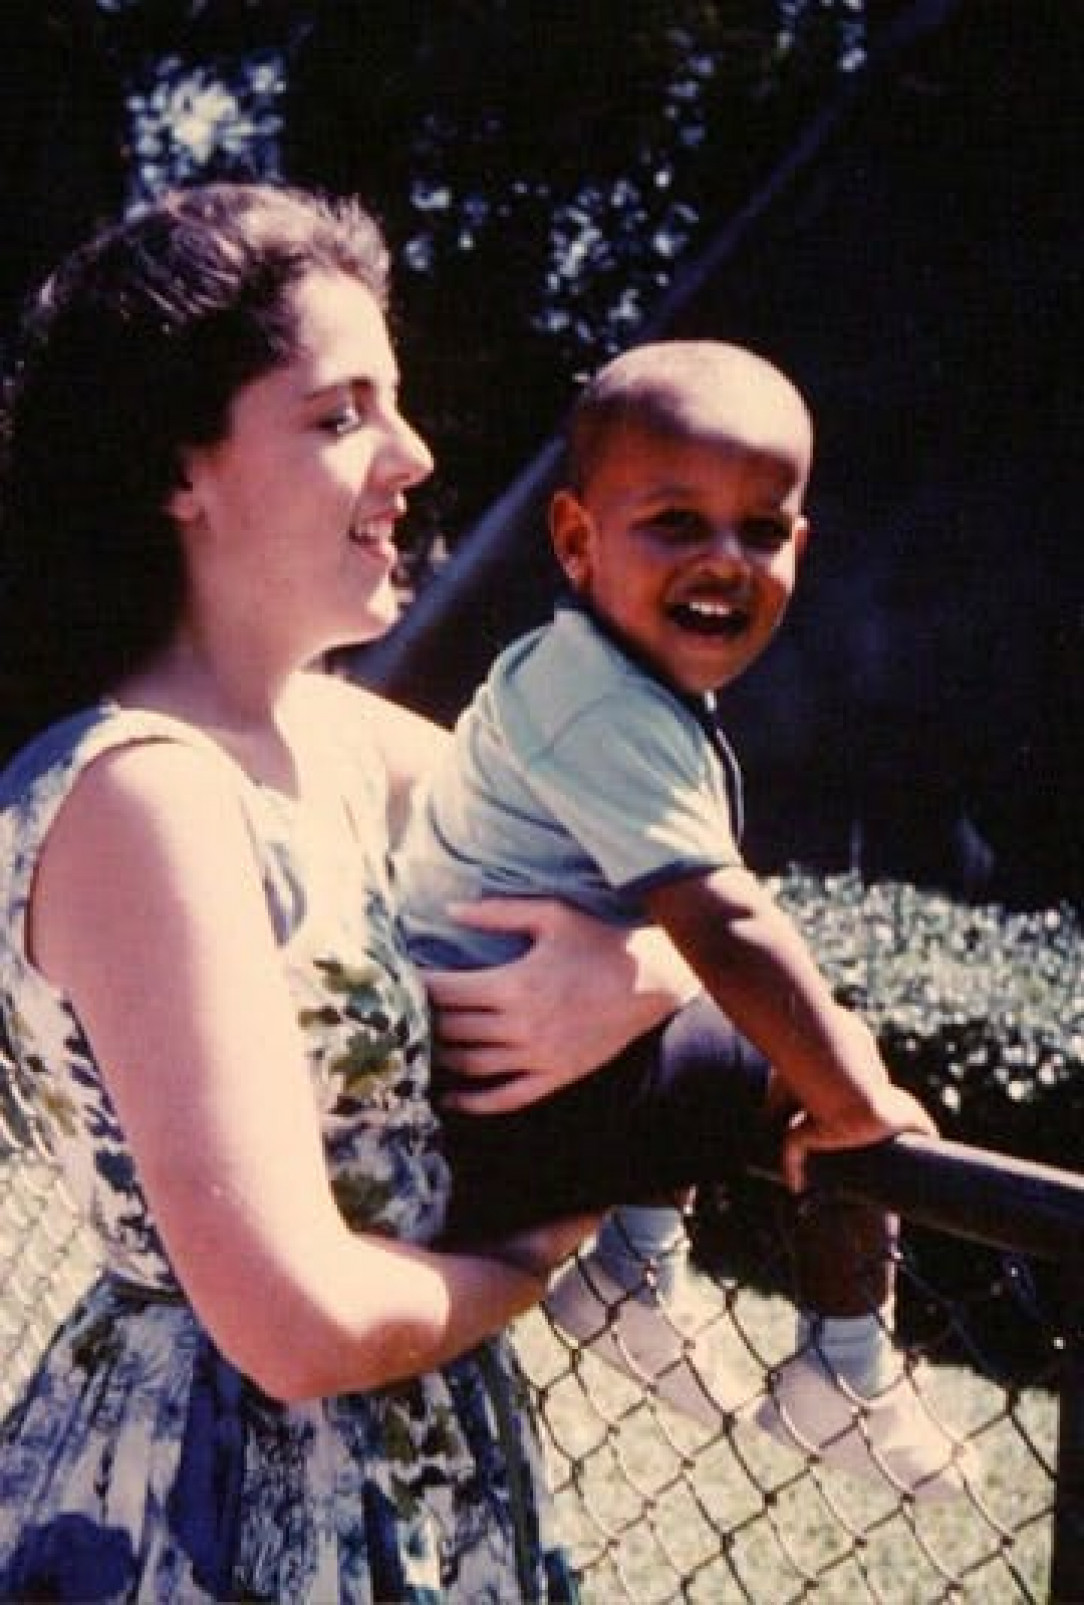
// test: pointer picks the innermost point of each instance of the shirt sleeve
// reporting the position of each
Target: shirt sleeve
(635, 781)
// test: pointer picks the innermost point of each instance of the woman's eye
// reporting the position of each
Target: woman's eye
(342, 421)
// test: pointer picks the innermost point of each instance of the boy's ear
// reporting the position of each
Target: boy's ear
(800, 536)
(570, 532)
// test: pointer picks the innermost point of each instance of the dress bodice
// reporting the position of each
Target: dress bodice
(359, 1003)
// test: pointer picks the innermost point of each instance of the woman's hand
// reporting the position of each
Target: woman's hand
(538, 1250)
(572, 1002)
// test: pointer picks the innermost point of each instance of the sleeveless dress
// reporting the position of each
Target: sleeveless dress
(139, 1464)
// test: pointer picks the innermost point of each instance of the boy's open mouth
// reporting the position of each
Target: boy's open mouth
(704, 617)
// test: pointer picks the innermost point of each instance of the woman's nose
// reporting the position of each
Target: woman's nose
(411, 459)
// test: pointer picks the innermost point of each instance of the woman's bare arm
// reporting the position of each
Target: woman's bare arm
(410, 746)
(149, 912)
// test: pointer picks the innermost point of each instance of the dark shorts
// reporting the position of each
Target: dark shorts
(681, 1106)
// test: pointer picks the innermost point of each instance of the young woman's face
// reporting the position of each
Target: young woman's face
(689, 548)
(289, 521)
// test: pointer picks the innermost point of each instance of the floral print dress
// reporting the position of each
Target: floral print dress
(140, 1464)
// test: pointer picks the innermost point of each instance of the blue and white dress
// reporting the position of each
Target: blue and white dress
(139, 1463)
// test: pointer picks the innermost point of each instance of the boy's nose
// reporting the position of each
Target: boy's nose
(727, 548)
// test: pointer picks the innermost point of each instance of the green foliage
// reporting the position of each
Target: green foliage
(979, 1010)
(192, 122)
(543, 170)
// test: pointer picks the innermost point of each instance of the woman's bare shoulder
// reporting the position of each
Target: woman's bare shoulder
(408, 742)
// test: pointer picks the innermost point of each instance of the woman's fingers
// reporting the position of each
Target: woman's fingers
(501, 1096)
(471, 1028)
(464, 989)
(573, 1000)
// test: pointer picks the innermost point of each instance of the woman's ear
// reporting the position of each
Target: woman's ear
(800, 536)
(571, 531)
(181, 501)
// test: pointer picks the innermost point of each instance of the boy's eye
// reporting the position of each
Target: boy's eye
(766, 534)
(679, 524)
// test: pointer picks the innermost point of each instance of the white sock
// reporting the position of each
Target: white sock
(857, 1348)
(640, 1246)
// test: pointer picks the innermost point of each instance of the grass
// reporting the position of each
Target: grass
(656, 1509)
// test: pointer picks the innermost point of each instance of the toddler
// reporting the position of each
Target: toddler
(591, 767)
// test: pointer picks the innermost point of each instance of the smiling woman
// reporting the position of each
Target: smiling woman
(296, 508)
(279, 1388)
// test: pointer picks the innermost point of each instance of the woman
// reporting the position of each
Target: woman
(279, 1388)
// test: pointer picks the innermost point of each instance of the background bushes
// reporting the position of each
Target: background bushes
(980, 1012)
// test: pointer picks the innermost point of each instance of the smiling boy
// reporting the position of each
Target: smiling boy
(591, 767)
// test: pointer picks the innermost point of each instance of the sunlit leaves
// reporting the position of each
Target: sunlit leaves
(979, 1008)
(205, 120)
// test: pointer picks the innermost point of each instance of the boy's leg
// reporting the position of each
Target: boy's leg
(642, 1128)
(845, 1393)
(680, 1105)
(632, 1300)
(690, 1103)
(843, 1253)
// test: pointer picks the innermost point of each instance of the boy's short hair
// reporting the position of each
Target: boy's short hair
(646, 388)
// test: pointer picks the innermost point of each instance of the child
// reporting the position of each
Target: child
(590, 767)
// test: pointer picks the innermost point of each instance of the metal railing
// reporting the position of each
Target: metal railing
(657, 1508)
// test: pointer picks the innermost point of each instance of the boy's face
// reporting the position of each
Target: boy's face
(688, 546)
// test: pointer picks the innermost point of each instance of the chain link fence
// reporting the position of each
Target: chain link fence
(659, 1508)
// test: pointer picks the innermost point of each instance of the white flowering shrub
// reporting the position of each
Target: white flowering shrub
(978, 1009)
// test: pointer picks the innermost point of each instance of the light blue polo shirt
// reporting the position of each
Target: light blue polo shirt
(573, 774)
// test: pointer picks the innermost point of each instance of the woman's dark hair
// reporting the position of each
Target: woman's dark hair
(131, 352)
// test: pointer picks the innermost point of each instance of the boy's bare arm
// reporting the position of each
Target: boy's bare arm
(756, 965)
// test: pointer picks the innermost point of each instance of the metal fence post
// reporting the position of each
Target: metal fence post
(1067, 1547)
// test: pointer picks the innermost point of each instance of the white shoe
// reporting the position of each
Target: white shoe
(664, 1345)
(891, 1438)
